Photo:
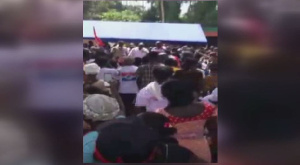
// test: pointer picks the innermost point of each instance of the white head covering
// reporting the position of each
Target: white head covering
(213, 97)
(100, 107)
(91, 69)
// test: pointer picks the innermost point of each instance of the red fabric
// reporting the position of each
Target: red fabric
(178, 61)
(101, 158)
(208, 112)
(97, 39)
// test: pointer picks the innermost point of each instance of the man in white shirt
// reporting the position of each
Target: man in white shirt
(150, 97)
(119, 51)
(158, 48)
(138, 52)
(107, 74)
(128, 86)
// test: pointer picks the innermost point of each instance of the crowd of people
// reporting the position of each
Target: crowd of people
(150, 104)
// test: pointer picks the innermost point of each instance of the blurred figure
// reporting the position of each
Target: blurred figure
(189, 72)
(158, 47)
(91, 71)
(171, 62)
(188, 116)
(144, 72)
(150, 98)
(98, 108)
(138, 53)
(211, 81)
(128, 87)
(131, 140)
(106, 73)
(119, 51)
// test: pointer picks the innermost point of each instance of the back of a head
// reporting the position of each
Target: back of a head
(153, 56)
(86, 54)
(91, 43)
(189, 63)
(128, 61)
(213, 67)
(101, 61)
(171, 62)
(129, 139)
(178, 92)
(121, 43)
(162, 73)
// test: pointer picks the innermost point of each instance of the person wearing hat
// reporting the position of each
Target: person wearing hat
(91, 71)
(138, 53)
(127, 84)
(158, 47)
(131, 140)
(98, 108)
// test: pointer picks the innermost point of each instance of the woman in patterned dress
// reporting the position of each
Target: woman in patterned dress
(188, 116)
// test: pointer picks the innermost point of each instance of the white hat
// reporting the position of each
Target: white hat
(213, 97)
(91, 69)
(99, 107)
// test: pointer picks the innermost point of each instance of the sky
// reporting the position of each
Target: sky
(184, 6)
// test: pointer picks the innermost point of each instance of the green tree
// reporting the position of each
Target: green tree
(172, 11)
(114, 15)
(203, 12)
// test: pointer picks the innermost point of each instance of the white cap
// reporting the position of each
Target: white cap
(91, 69)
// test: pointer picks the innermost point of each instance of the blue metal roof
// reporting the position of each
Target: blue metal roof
(145, 32)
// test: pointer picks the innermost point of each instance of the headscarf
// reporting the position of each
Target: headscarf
(99, 107)
(91, 69)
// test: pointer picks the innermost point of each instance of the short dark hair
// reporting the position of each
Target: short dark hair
(162, 73)
(86, 54)
(171, 62)
(213, 67)
(101, 61)
(188, 63)
(152, 56)
(178, 92)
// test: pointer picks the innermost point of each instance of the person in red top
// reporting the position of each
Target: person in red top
(188, 116)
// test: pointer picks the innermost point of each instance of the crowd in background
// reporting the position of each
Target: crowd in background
(150, 104)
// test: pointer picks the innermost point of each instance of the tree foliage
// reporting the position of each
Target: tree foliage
(125, 15)
(203, 12)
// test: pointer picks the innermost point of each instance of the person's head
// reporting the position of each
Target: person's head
(86, 55)
(91, 70)
(213, 67)
(145, 60)
(120, 43)
(157, 122)
(141, 45)
(128, 61)
(159, 44)
(90, 89)
(101, 61)
(153, 57)
(85, 45)
(198, 55)
(171, 62)
(162, 73)
(179, 92)
(126, 140)
(131, 45)
(91, 43)
(189, 63)
(174, 51)
(99, 108)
